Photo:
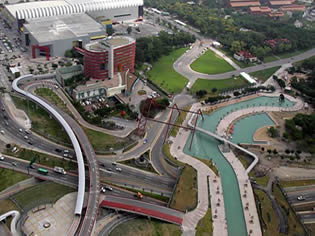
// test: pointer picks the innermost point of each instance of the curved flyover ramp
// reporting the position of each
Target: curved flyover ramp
(79, 141)
(66, 126)
(143, 208)
(16, 217)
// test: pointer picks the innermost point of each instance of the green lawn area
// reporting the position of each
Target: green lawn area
(144, 227)
(102, 142)
(9, 178)
(204, 227)
(268, 218)
(163, 74)
(132, 163)
(51, 129)
(43, 192)
(294, 183)
(210, 63)
(42, 123)
(265, 74)
(291, 54)
(166, 150)
(295, 227)
(220, 85)
(43, 159)
(186, 192)
(52, 97)
(270, 58)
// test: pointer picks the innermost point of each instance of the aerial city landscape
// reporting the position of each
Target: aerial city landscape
(157, 117)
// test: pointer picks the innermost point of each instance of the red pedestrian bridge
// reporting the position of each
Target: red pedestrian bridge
(143, 208)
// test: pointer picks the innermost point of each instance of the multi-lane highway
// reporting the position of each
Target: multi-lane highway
(129, 176)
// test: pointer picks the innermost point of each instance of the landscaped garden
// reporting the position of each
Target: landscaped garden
(210, 63)
(219, 85)
(165, 76)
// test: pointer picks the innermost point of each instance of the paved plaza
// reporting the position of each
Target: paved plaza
(51, 220)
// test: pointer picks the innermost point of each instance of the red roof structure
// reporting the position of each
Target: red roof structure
(260, 10)
(293, 7)
(246, 54)
(274, 42)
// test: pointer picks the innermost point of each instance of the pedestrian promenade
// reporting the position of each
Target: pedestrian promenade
(247, 195)
(204, 173)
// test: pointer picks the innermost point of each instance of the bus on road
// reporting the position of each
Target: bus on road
(42, 171)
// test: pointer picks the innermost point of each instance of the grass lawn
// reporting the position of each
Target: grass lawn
(51, 96)
(293, 183)
(239, 63)
(5, 206)
(166, 150)
(144, 227)
(204, 227)
(43, 192)
(133, 164)
(9, 178)
(186, 192)
(295, 227)
(163, 74)
(181, 117)
(265, 74)
(43, 159)
(210, 63)
(291, 54)
(268, 218)
(270, 58)
(103, 142)
(42, 123)
(220, 85)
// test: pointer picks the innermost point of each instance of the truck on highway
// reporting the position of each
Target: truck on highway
(60, 170)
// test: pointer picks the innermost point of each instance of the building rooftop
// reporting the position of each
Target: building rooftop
(30, 10)
(115, 41)
(245, 4)
(279, 3)
(62, 27)
(293, 7)
(106, 83)
(260, 9)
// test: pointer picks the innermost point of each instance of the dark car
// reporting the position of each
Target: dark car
(58, 150)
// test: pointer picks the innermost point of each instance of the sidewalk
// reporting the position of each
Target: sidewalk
(192, 218)
(227, 59)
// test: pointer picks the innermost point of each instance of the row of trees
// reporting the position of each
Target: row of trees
(302, 130)
(150, 49)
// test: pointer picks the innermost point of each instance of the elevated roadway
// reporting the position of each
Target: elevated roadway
(77, 137)
(143, 208)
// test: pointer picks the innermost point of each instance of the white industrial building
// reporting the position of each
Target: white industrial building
(116, 10)
(51, 27)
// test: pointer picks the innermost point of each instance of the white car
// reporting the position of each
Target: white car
(2, 132)
(118, 169)
(103, 190)
(1, 158)
(300, 198)
(20, 130)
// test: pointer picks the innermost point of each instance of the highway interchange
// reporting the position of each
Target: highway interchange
(133, 177)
